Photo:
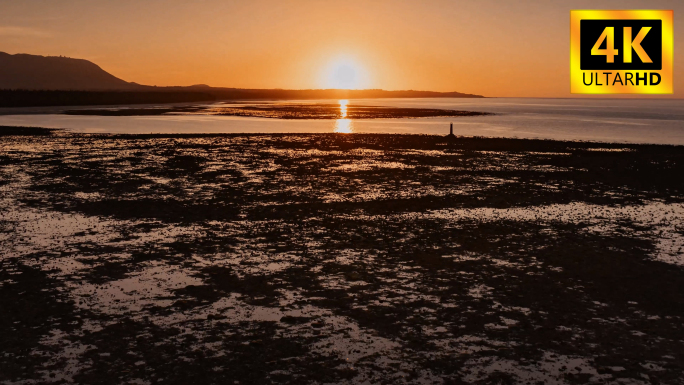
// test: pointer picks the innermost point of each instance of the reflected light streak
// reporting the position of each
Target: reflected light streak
(343, 108)
(344, 126)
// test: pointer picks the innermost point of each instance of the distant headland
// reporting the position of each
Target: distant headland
(33, 80)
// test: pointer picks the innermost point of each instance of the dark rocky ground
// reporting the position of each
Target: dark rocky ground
(338, 259)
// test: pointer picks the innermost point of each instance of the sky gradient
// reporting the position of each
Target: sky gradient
(488, 47)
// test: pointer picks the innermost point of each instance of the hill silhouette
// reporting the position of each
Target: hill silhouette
(33, 80)
(34, 72)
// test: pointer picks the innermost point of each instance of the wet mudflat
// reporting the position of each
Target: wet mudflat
(339, 259)
(281, 111)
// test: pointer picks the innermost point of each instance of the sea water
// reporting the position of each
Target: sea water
(605, 120)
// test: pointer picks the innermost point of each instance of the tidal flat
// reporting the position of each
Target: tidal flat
(334, 258)
(282, 110)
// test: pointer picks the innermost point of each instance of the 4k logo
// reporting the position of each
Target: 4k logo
(621, 52)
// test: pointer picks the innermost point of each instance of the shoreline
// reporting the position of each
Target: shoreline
(440, 139)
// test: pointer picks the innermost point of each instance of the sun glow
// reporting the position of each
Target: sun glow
(345, 73)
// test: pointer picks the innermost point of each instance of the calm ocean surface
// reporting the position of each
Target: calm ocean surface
(629, 121)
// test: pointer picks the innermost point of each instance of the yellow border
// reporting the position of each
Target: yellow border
(666, 73)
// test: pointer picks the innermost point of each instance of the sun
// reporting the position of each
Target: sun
(344, 73)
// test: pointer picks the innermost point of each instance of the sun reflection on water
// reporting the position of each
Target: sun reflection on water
(343, 108)
(344, 125)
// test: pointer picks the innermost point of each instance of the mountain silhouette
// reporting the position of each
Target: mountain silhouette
(33, 80)
(34, 72)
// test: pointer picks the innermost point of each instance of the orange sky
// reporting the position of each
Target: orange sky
(489, 47)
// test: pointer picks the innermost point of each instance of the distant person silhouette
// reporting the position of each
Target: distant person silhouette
(451, 131)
